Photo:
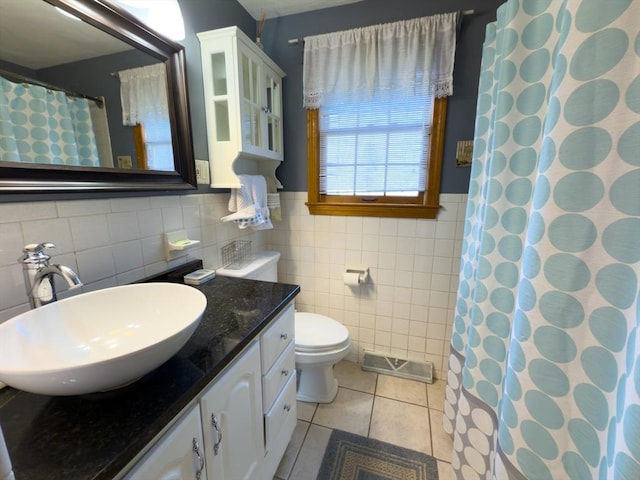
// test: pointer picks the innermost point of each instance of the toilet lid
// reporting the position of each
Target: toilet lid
(316, 332)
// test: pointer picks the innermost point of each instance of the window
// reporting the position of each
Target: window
(154, 150)
(143, 95)
(375, 134)
(376, 169)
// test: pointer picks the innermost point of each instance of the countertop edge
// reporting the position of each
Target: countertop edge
(119, 467)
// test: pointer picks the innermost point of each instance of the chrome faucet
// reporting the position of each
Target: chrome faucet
(39, 274)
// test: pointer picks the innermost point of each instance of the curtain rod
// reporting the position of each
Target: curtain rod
(294, 41)
(15, 77)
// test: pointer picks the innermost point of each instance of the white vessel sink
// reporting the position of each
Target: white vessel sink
(100, 340)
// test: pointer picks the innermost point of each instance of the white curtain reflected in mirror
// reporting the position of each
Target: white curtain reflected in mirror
(143, 94)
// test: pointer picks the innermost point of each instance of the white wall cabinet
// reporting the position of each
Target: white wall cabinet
(230, 432)
(243, 103)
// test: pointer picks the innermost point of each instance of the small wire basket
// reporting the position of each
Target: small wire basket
(236, 254)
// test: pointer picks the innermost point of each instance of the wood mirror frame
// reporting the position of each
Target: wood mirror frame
(54, 178)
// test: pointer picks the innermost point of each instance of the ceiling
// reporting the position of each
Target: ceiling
(279, 8)
(27, 27)
(27, 30)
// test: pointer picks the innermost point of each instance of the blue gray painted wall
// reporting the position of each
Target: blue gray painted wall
(202, 15)
(462, 105)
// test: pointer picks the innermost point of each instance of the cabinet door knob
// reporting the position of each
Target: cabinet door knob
(215, 423)
(196, 450)
(284, 336)
(285, 372)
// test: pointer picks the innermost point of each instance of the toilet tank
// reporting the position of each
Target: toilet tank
(263, 266)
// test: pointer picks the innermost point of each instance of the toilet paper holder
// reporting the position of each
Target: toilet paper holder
(355, 275)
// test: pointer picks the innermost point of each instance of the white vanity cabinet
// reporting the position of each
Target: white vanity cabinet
(232, 420)
(178, 455)
(277, 357)
(239, 426)
(243, 103)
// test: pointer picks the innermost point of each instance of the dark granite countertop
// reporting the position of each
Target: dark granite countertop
(95, 436)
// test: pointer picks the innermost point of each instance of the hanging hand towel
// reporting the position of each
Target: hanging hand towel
(249, 202)
(273, 199)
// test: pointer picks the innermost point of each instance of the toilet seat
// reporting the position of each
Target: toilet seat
(318, 334)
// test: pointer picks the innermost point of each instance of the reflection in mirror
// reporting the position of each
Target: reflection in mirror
(40, 123)
(82, 103)
(143, 93)
(51, 116)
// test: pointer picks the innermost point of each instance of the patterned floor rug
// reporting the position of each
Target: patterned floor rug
(352, 457)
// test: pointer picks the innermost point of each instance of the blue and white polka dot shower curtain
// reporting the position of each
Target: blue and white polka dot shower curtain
(39, 125)
(544, 371)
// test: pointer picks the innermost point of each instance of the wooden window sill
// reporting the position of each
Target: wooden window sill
(368, 210)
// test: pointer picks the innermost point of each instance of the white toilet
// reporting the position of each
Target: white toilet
(320, 342)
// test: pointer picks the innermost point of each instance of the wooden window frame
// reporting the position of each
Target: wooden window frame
(141, 150)
(425, 206)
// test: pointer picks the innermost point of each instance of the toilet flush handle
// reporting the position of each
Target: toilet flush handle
(284, 336)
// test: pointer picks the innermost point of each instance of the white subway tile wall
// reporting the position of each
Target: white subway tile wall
(111, 242)
(405, 309)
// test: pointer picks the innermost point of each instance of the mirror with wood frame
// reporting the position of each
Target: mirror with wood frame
(90, 100)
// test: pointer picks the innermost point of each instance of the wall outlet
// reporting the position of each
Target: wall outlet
(202, 171)
(124, 161)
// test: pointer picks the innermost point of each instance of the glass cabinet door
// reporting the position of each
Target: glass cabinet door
(220, 96)
(251, 106)
(272, 90)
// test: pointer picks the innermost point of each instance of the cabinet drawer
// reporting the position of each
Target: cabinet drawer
(277, 337)
(278, 375)
(283, 409)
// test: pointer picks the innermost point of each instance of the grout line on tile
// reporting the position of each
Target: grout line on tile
(373, 405)
(293, 465)
(298, 452)
(431, 432)
(426, 392)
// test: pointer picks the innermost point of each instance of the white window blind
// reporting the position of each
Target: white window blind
(157, 137)
(376, 147)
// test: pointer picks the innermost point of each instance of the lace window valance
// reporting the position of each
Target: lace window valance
(415, 56)
(143, 93)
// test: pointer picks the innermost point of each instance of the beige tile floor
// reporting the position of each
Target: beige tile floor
(398, 411)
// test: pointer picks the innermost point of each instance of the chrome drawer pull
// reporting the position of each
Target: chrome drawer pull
(196, 450)
(218, 441)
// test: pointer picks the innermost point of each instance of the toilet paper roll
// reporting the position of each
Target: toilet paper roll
(351, 278)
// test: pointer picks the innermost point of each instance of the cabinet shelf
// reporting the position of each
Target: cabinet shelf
(243, 103)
